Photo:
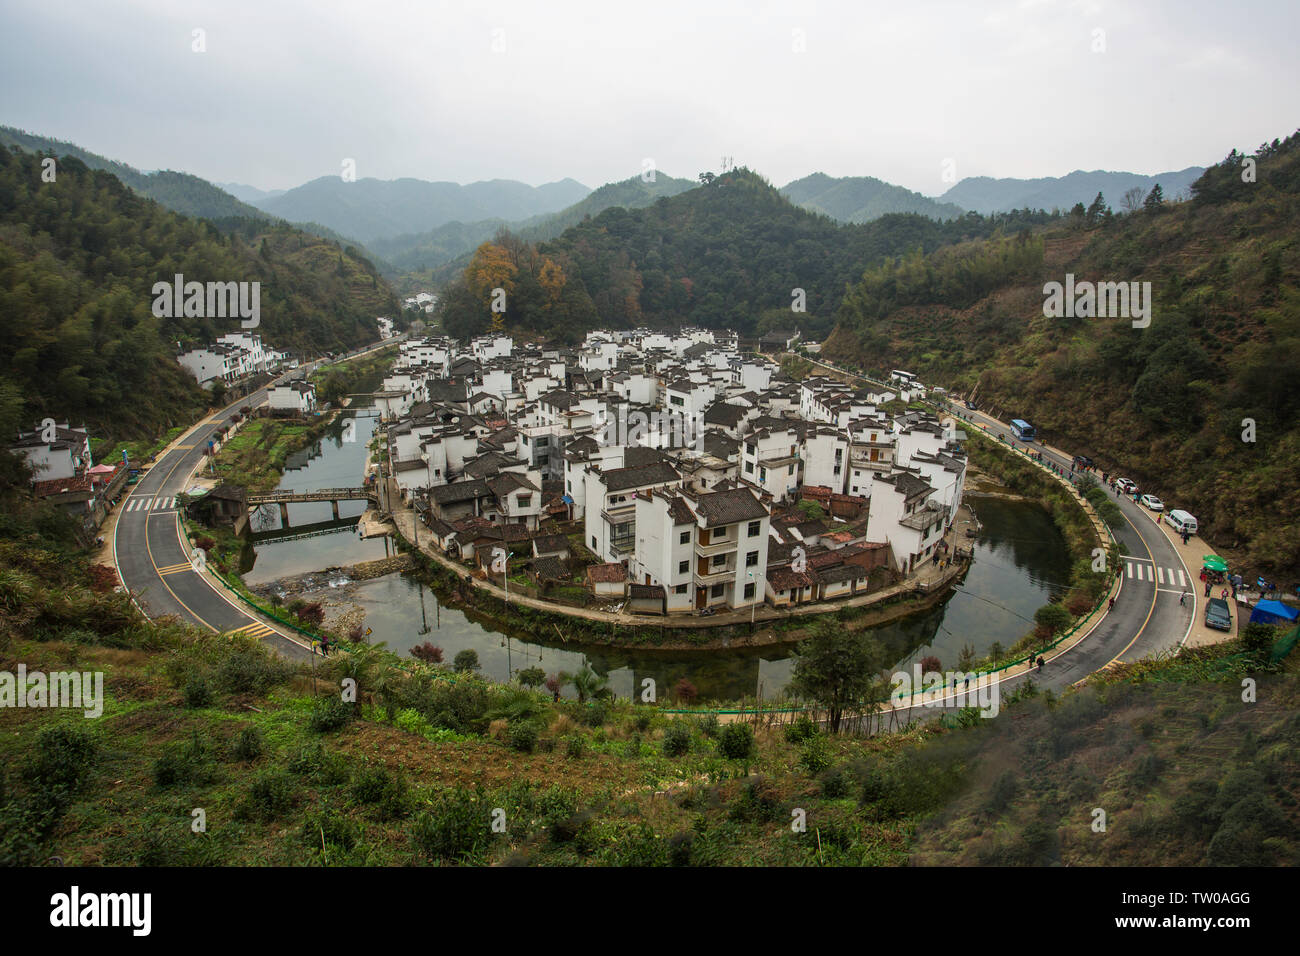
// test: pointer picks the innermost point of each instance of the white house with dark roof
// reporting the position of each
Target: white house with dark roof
(609, 519)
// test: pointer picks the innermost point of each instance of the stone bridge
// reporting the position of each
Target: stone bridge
(333, 495)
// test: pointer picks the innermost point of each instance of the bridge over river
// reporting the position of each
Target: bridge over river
(284, 498)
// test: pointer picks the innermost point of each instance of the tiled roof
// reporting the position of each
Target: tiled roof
(728, 507)
(640, 476)
(606, 573)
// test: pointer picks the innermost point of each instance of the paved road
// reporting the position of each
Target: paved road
(1147, 619)
(147, 543)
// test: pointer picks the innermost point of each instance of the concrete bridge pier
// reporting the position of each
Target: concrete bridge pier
(284, 514)
(334, 504)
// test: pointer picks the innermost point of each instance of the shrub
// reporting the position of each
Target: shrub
(930, 664)
(677, 739)
(312, 761)
(594, 714)
(64, 757)
(197, 692)
(332, 829)
(836, 784)
(575, 746)
(710, 726)
(523, 736)
(685, 692)
(248, 745)
(466, 660)
(251, 670)
(802, 728)
(428, 652)
(1053, 617)
(456, 827)
(312, 614)
(270, 795)
(374, 786)
(330, 713)
(736, 741)
(815, 756)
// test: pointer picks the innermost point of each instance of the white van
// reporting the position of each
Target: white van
(1181, 521)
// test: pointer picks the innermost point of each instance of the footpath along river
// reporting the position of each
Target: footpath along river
(1020, 560)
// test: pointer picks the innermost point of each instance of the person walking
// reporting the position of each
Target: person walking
(1182, 598)
(1111, 605)
(1208, 585)
(1223, 595)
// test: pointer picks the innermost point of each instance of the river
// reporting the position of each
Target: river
(1020, 560)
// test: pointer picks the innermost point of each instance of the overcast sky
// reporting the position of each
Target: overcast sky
(287, 90)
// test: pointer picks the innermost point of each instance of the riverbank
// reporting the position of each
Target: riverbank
(737, 629)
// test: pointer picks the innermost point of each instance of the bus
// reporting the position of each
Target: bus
(1022, 429)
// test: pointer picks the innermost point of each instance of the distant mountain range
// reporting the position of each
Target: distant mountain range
(376, 209)
(983, 194)
(862, 198)
(250, 194)
(453, 240)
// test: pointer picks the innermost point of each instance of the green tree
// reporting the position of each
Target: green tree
(1155, 199)
(837, 669)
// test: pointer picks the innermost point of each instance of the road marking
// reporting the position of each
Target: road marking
(256, 629)
(181, 570)
(175, 567)
(1160, 574)
(1182, 579)
(1129, 566)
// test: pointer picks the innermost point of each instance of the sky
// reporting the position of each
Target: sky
(915, 93)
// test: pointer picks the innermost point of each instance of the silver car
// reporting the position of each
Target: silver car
(1152, 502)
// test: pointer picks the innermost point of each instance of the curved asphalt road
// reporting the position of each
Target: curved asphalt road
(151, 559)
(1147, 619)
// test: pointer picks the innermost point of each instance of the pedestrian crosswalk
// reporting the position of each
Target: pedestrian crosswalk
(1145, 571)
(256, 629)
(150, 503)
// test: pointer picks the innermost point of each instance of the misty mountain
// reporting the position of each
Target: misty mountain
(375, 208)
(448, 242)
(250, 194)
(862, 198)
(985, 194)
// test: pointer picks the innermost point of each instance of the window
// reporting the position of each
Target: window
(685, 538)
(683, 567)
(762, 474)
(680, 589)
(755, 527)
(749, 592)
(750, 449)
(837, 469)
(524, 500)
(839, 454)
(749, 467)
(677, 401)
(593, 543)
(715, 591)
(719, 534)
(719, 560)
(791, 471)
(751, 559)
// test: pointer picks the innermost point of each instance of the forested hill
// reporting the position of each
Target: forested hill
(862, 198)
(1168, 404)
(180, 192)
(727, 255)
(78, 260)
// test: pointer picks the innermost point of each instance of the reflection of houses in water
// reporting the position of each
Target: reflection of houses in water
(724, 676)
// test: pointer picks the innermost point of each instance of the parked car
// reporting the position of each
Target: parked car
(1125, 485)
(1152, 502)
(1181, 521)
(1217, 615)
(970, 405)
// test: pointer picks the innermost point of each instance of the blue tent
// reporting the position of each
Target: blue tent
(1273, 612)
